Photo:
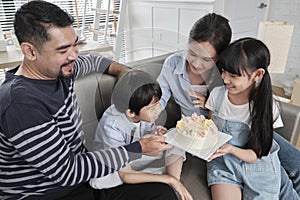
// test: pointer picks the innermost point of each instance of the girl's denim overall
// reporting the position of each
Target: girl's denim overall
(259, 180)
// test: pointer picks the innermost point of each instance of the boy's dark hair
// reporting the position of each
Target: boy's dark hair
(212, 28)
(35, 18)
(143, 96)
(134, 90)
(252, 54)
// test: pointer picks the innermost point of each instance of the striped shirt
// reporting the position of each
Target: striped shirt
(41, 151)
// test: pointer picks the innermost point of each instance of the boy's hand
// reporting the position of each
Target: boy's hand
(160, 130)
(154, 144)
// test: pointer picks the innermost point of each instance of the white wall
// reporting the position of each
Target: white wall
(279, 10)
(289, 10)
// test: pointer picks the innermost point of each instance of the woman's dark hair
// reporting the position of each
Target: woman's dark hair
(212, 28)
(34, 18)
(134, 90)
(242, 56)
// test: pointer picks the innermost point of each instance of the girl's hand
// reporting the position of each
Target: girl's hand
(198, 99)
(225, 149)
(160, 130)
(180, 189)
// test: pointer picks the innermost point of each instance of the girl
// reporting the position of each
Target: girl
(135, 108)
(248, 166)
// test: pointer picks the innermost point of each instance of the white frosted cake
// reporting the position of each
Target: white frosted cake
(196, 132)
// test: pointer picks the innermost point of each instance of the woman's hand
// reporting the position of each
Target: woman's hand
(198, 99)
(180, 189)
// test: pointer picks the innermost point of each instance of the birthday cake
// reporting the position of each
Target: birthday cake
(196, 132)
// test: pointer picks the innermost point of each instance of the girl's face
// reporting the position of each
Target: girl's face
(201, 57)
(239, 85)
(150, 112)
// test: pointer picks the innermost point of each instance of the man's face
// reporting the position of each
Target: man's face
(56, 57)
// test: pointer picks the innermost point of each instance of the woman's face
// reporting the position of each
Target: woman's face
(201, 57)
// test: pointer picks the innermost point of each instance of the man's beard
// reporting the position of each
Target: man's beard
(62, 76)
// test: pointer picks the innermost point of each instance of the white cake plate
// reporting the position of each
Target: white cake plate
(201, 153)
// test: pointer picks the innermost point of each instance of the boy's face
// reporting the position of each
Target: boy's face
(150, 112)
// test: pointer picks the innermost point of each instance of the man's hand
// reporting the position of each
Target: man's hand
(154, 144)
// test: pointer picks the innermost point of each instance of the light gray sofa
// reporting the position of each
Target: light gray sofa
(94, 93)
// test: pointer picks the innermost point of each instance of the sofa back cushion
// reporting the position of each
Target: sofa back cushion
(93, 96)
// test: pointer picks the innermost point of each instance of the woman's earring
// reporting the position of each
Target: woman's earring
(257, 83)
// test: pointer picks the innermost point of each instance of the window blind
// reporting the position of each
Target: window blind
(9, 7)
(7, 12)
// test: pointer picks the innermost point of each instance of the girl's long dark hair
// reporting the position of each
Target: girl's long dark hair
(251, 54)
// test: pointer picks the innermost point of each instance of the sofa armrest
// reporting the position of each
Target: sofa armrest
(291, 119)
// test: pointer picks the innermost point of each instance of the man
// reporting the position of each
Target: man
(42, 155)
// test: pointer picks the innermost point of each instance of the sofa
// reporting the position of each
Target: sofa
(94, 96)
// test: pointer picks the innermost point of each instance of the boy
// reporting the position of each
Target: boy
(134, 110)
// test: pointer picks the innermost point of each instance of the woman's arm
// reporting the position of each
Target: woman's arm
(163, 80)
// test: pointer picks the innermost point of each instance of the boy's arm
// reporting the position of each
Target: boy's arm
(174, 165)
(128, 175)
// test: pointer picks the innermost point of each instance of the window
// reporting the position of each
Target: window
(76, 9)
(9, 7)
(7, 11)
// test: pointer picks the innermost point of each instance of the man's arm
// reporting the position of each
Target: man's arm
(116, 68)
(86, 64)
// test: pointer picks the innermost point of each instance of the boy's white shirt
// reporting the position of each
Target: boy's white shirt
(239, 113)
(108, 180)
